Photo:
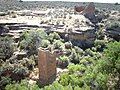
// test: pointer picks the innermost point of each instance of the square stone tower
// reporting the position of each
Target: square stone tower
(47, 66)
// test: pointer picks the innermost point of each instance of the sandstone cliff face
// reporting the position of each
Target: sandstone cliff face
(113, 25)
(83, 39)
(114, 33)
(3, 29)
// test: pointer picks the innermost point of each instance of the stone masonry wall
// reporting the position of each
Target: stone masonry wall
(47, 67)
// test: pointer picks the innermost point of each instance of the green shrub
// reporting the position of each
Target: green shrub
(78, 50)
(75, 57)
(74, 68)
(6, 68)
(45, 43)
(63, 58)
(100, 34)
(31, 41)
(28, 62)
(100, 44)
(112, 53)
(23, 71)
(53, 36)
(101, 80)
(15, 71)
(6, 47)
(62, 61)
(89, 78)
(108, 67)
(23, 85)
(58, 44)
(89, 52)
(87, 60)
(4, 81)
(73, 80)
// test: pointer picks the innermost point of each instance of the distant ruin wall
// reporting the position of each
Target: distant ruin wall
(47, 66)
(88, 11)
(79, 9)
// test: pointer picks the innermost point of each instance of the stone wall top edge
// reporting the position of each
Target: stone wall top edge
(45, 50)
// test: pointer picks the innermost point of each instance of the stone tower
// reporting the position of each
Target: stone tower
(47, 66)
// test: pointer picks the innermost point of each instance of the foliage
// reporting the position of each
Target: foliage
(6, 47)
(29, 63)
(89, 52)
(101, 80)
(101, 74)
(74, 57)
(58, 44)
(62, 61)
(73, 80)
(74, 68)
(96, 68)
(23, 85)
(113, 25)
(45, 43)
(6, 67)
(112, 54)
(14, 71)
(109, 66)
(100, 34)
(87, 60)
(63, 58)
(4, 81)
(31, 40)
(78, 50)
(23, 71)
(53, 36)
(100, 44)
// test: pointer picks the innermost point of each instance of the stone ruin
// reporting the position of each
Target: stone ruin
(87, 11)
(47, 66)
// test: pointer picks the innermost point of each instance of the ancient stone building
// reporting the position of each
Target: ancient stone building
(79, 9)
(47, 66)
(88, 11)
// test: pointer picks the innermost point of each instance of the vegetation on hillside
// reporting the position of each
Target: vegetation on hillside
(93, 68)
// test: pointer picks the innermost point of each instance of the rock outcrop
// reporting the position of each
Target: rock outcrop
(3, 29)
(83, 39)
(113, 33)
